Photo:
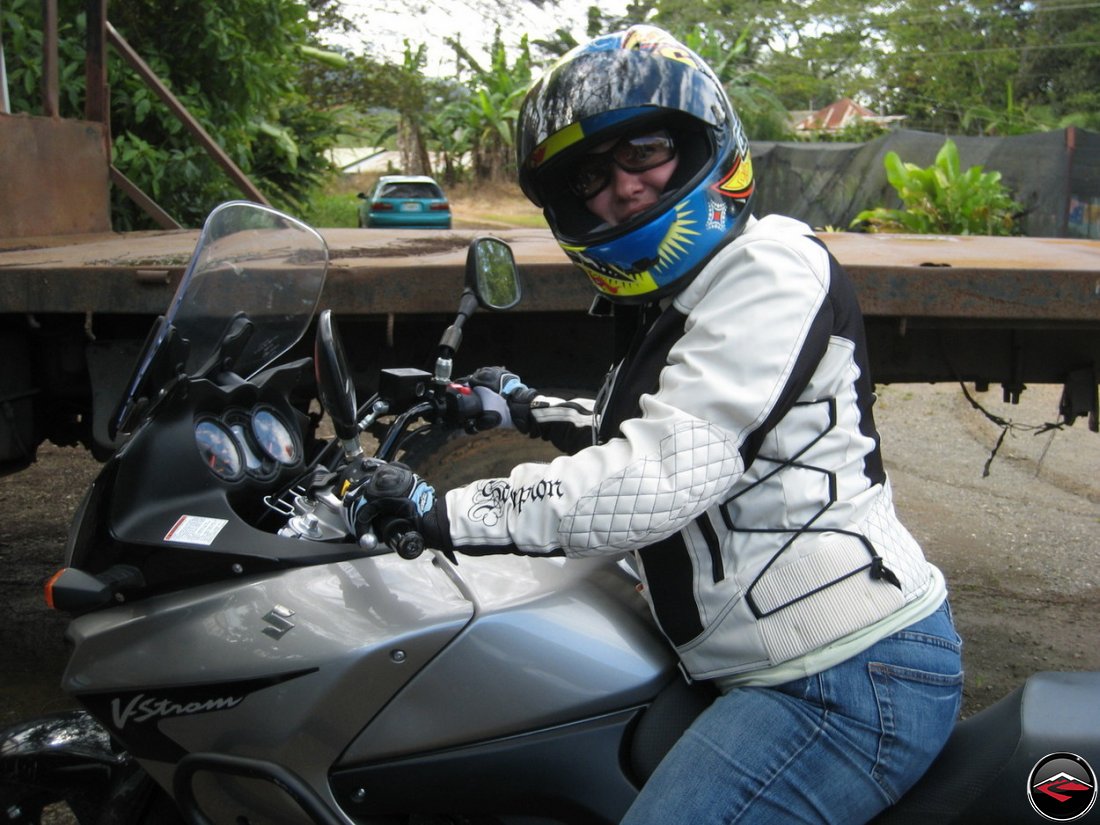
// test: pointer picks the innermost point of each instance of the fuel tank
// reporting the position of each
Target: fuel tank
(552, 641)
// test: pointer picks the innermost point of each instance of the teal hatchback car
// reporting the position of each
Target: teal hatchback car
(405, 201)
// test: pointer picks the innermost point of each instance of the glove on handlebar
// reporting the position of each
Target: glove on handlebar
(391, 499)
(503, 395)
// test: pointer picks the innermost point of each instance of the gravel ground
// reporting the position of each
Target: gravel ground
(1019, 547)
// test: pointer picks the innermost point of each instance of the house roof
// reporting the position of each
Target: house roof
(836, 116)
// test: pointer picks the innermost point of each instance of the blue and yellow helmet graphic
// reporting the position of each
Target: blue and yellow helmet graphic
(623, 83)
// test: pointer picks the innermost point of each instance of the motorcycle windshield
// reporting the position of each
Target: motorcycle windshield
(251, 262)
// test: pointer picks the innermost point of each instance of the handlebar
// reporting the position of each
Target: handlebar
(408, 545)
(463, 407)
(318, 499)
(399, 536)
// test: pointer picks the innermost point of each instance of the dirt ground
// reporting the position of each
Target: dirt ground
(1020, 547)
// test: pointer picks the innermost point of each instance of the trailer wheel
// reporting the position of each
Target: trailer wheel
(451, 459)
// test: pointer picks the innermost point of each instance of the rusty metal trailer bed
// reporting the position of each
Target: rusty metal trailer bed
(73, 311)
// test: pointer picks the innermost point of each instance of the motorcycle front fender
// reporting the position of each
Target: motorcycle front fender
(58, 751)
(69, 757)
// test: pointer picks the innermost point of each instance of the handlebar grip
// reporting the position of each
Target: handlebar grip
(408, 545)
(398, 534)
(462, 407)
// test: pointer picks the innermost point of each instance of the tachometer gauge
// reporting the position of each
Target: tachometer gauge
(274, 437)
(218, 449)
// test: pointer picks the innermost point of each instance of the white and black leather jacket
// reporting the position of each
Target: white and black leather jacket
(735, 454)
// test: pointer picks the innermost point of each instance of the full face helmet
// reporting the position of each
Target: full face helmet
(620, 85)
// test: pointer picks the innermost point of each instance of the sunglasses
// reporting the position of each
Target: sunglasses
(592, 172)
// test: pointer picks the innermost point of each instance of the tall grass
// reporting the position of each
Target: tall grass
(331, 210)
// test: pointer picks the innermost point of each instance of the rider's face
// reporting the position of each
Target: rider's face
(624, 177)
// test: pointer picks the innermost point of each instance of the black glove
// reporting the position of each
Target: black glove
(503, 397)
(396, 505)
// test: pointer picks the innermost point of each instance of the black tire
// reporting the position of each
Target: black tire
(451, 459)
(129, 799)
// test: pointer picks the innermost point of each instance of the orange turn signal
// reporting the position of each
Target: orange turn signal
(50, 582)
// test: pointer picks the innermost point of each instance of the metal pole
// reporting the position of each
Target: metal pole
(1068, 193)
(50, 100)
(147, 204)
(180, 111)
(5, 101)
(96, 106)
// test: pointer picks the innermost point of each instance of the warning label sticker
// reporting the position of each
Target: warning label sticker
(196, 530)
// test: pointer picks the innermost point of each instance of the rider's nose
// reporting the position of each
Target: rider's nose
(623, 183)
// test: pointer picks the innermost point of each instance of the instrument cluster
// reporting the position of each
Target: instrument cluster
(256, 442)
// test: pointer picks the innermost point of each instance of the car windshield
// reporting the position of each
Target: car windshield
(411, 189)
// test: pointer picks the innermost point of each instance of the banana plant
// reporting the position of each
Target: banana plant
(496, 93)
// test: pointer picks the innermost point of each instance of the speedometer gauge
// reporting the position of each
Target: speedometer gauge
(274, 437)
(218, 450)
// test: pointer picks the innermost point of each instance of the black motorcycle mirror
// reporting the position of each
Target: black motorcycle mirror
(492, 281)
(492, 273)
(334, 385)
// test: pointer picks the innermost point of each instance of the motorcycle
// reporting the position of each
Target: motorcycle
(240, 656)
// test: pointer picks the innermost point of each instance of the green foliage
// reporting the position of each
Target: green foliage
(1058, 70)
(492, 108)
(249, 70)
(560, 42)
(1012, 118)
(943, 199)
(232, 63)
(985, 66)
(857, 130)
(761, 112)
(951, 66)
(331, 209)
(471, 117)
(21, 29)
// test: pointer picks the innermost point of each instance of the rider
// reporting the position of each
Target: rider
(732, 450)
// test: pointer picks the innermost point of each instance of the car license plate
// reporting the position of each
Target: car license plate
(410, 207)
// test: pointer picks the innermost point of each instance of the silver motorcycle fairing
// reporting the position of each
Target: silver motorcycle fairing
(292, 667)
(285, 667)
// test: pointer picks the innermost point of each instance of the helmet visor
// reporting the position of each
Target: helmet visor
(594, 91)
(640, 153)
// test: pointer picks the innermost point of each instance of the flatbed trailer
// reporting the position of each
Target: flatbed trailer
(75, 310)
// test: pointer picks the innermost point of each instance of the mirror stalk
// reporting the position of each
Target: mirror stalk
(452, 338)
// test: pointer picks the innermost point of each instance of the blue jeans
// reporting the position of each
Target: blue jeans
(836, 747)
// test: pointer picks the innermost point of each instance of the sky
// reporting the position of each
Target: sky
(384, 25)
